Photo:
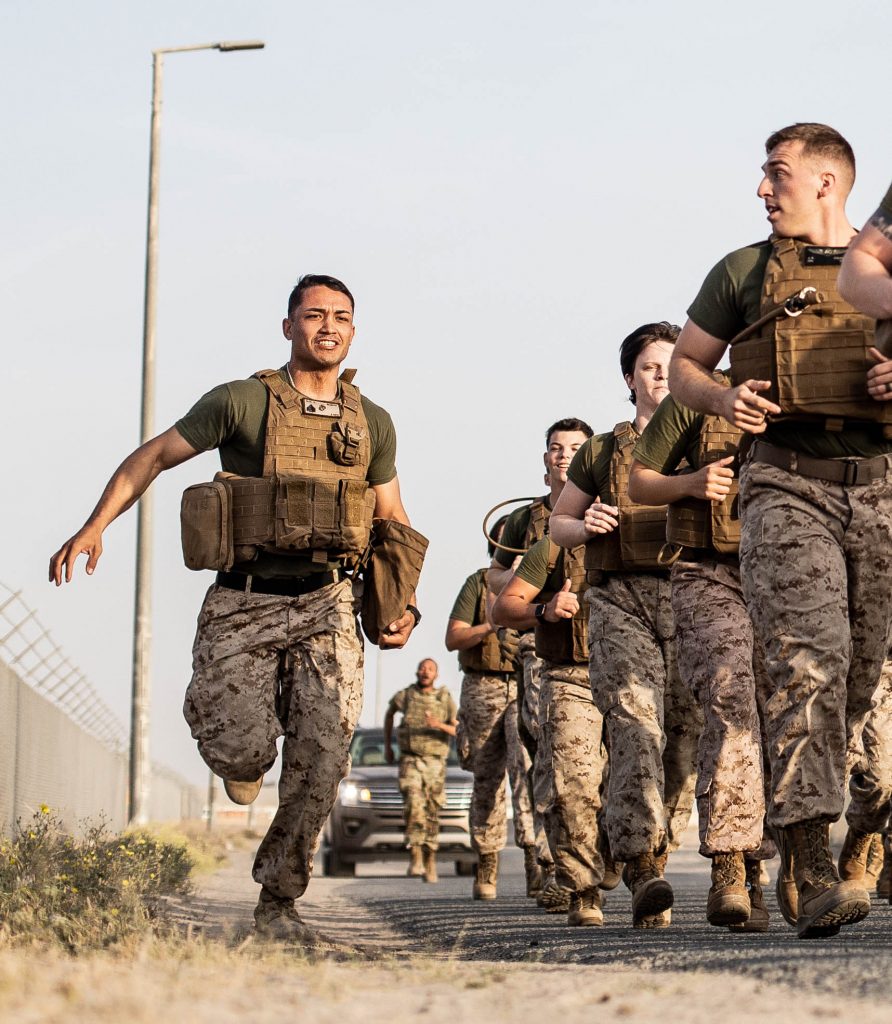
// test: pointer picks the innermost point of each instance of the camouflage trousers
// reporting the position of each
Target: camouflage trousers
(816, 563)
(572, 736)
(423, 785)
(488, 745)
(870, 763)
(529, 702)
(266, 666)
(652, 720)
(716, 659)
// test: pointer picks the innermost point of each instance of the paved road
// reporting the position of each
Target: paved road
(405, 916)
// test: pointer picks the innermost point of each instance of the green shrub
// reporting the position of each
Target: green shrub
(85, 893)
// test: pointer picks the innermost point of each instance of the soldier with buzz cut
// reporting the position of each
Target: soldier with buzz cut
(809, 387)
(523, 528)
(308, 463)
(428, 721)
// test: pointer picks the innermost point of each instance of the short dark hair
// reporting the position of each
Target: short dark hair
(817, 140)
(495, 531)
(570, 423)
(312, 281)
(638, 340)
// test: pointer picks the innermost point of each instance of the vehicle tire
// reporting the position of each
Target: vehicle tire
(334, 867)
(464, 868)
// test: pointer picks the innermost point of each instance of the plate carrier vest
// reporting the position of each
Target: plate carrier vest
(565, 642)
(312, 498)
(413, 733)
(696, 523)
(486, 656)
(816, 359)
(537, 527)
(636, 543)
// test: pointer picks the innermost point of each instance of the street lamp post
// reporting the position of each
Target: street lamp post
(142, 621)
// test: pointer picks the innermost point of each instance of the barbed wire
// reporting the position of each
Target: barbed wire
(28, 648)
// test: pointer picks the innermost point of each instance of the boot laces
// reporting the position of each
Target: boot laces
(724, 870)
(820, 859)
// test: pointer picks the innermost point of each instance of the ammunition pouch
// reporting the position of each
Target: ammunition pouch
(392, 568)
(206, 527)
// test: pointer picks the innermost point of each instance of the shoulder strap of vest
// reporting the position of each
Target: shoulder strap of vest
(283, 393)
(347, 376)
(349, 395)
(624, 433)
(786, 252)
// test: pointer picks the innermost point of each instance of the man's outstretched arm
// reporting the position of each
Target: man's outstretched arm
(128, 483)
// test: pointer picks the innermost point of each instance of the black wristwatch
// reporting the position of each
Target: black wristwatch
(540, 612)
(416, 614)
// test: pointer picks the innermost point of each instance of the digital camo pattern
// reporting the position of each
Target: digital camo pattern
(653, 722)
(870, 760)
(488, 745)
(716, 660)
(530, 665)
(816, 561)
(423, 785)
(266, 666)
(571, 728)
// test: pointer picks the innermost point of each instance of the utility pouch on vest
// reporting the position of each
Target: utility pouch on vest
(345, 444)
(391, 574)
(206, 527)
(323, 515)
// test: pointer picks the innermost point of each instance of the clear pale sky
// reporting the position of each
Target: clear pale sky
(507, 188)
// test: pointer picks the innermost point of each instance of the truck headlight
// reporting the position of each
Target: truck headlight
(351, 794)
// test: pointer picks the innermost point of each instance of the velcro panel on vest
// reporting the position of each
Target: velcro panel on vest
(252, 508)
(687, 523)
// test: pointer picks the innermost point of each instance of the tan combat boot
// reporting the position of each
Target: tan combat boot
(242, 792)
(728, 901)
(553, 898)
(785, 887)
(416, 862)
(759, 919)
(532, 871)
(651, 893)
(613, 869)
(875, 861)
(825, 902)
(854, 854)
(430, 865)
(487, 876)
(276, 918)
(585, 909)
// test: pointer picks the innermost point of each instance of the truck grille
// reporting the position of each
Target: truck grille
(458, 798)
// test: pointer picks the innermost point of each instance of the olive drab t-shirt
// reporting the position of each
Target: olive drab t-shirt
(590, 468)
(728, 301)
(533, 568)
(468, 600)
(671, 435)
(232, 418)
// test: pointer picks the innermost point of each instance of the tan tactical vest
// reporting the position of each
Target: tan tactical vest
(565, 642)
(488, 655)
(413, 733)
(313, 496)
(695, 523)
(537, 527)
(817, 359)
(636, 543)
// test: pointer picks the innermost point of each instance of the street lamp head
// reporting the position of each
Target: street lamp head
(247, 44)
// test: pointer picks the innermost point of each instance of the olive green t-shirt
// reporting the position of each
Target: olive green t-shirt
(468, 600)
(590, 468)
(232, 418)
(671, 435)
(514, 534)
(728, 301)
(886, 203)
(533, 568)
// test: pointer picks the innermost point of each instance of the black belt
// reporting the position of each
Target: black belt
(849, 472)
(293, 587)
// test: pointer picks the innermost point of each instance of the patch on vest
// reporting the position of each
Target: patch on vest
(821, 256)
(314, 407)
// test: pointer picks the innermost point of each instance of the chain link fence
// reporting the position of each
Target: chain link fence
(60, 744)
